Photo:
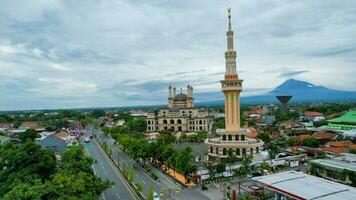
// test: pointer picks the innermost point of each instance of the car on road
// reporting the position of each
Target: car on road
(86, 139)
(155, 196)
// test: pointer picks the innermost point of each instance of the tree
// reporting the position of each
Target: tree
(139, 187)
(124, 172)
(220, 167)
(98, 113)
(311, 142)
(131, 173)
(292, 141)
(246, 162)
(150, 193)
(17, 124)
(272, 150)
(24, 164)
(184, 162)
(30, 134)
(264, 136)
(219, 122)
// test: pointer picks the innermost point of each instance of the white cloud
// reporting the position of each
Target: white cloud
(86, 50)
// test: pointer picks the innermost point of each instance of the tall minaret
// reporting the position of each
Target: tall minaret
(170, 97)
(231, 85)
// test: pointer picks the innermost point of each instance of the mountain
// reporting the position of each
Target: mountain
(301, 91)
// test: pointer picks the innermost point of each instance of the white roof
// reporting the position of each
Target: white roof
(336, 164)
(303, 186)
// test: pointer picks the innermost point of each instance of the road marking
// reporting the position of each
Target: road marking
(143, 182)
(118, 197)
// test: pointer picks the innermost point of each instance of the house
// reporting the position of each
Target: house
(314, 116)
(301, 138)
(324, 137)
(337, 147)
(30, 125)
(51, 141)
(291, 124)
(268, 119)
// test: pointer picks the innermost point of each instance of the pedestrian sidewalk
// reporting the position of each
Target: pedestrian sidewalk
(178, 177)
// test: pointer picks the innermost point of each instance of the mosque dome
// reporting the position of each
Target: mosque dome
(180, 97)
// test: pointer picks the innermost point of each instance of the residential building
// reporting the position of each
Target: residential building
(233, 138)
(337, 147)
(51, 141)
(314, 116)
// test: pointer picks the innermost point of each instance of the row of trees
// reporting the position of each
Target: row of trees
(159, 152)
(29, 172)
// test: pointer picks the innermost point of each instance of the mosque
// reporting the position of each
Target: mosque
(181, 115)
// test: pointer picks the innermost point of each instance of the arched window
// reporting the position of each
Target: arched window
(236, 138)
(211, 149)
(200, 122)
(251, 151)
(230, 137)
(217, 150)
(179, 121)
(243, 151)
(165, 128)
(165, 121)
(171, 121)
(148, 122)
(257, 150)
(149, 128)
(238, 151)
(243, 137)
(224, 137)
(224, 151)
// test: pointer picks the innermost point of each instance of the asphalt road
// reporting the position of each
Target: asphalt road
(104, 169)
(166, 184)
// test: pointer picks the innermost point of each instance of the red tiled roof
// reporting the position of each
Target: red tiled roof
(252, 132)
(352, 147)
(312, 114)
(301, 138)
(339, 143)
(324, 136)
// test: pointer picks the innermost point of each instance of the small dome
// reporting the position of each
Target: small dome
(180, 97)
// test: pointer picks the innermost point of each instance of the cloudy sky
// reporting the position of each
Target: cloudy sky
(86, 53)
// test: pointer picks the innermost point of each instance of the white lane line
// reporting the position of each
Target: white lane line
(143, 182)
(118, 197)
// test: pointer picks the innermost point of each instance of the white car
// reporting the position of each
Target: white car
(155, 196)
(86, 139)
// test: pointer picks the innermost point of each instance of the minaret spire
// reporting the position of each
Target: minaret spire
(230, 54)
(229, 16)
